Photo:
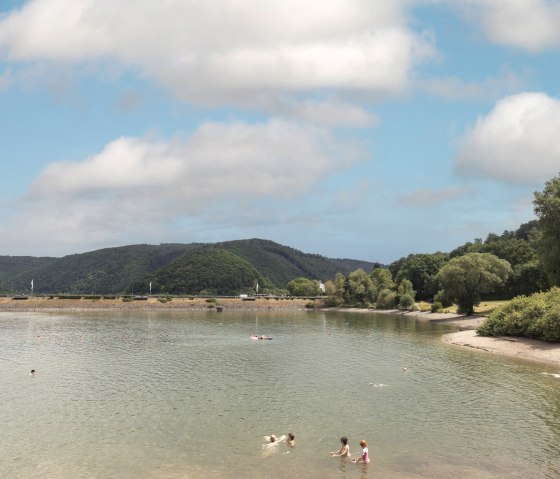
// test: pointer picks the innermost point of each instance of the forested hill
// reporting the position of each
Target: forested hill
(131, 268)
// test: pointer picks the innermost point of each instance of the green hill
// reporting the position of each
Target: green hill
(104, 271)
(210, 271)
(131, 268)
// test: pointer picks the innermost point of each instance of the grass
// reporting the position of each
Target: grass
(484, 308)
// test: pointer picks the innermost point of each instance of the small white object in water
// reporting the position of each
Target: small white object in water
(554, 375)
(380, 385)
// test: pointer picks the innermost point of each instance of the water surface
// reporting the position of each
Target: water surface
(188, 395)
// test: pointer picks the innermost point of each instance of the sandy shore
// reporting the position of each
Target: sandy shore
(56, 304)
(522, 348)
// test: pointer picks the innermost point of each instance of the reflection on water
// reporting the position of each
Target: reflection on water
(189, 395)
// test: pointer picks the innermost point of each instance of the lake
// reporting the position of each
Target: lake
(173, 395)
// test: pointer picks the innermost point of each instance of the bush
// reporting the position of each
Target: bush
(441, 297)
(386, 299)
(437, 307)
(406, 301)
(536, 316)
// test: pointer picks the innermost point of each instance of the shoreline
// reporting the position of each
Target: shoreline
(520, 348)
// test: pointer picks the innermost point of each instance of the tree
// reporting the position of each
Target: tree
(382, 279)
(467, 277)
(304, 287)
(421, 269)
(359, 288)
(547, 208)
(407, 294)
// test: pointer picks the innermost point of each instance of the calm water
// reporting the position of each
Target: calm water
(189, 395)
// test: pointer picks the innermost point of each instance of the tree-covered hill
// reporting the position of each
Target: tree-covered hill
(116, 270)
(281, 264)
(11, 266)
(104, 271)
(209, 271)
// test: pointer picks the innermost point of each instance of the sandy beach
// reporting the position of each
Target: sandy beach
(466, 336)
(86, 304)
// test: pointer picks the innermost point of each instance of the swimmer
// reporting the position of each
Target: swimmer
(364, 458)
(32, 373)
(290, 441)
(344, 450)
(272, 440)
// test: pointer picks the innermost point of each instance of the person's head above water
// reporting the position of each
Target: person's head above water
(344, 440)
(363, 443)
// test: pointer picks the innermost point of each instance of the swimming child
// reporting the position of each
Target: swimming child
(344, 448)
(32, 373)
(290, 441)
(364, 458)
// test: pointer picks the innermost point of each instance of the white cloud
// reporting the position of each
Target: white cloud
(228, 51)
(532, 25)
(428, 197)
(329, 113)
(516, 142)
(139, 187)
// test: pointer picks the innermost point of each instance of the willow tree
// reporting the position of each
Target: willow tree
(466, 278)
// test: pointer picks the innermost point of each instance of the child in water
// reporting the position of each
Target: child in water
(364, 458)
(344, 448)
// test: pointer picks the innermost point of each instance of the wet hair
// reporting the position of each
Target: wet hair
(344, 440)
(363, 443)
(273, 438)
(291, 437)
(32, 371)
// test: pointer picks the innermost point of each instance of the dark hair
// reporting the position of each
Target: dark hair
(344, 440)
(291, 437)
(33, 370)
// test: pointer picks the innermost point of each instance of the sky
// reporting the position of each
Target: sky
(348, 128)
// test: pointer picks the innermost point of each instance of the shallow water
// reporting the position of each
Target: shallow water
(189, 395)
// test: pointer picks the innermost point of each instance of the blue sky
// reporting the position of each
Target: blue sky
(348, 128)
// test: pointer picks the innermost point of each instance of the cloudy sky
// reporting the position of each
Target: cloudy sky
(349, 128)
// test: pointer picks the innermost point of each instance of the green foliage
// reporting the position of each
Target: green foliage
(386, 299)
(105, 271)
(547, 209)
(442, 297)
(382, 279)
(436, 307)
(466, 278)
(281, 264)
(210, 271)
(519, 248)
(125, 269)
(421, 270)
(406, 301)
(304, 287)
(536, 316)
(359, 289)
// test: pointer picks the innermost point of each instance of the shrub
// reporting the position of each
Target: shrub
(436, 307)
(442, 297)
(536, 316)
(386, 299)
(406, 301)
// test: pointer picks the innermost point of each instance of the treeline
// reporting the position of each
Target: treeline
(194, 268)
(517, 264)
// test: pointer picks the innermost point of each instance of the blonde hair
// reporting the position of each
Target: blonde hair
(363, 443)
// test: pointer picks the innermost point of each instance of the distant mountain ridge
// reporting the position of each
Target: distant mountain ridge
(172, 268)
